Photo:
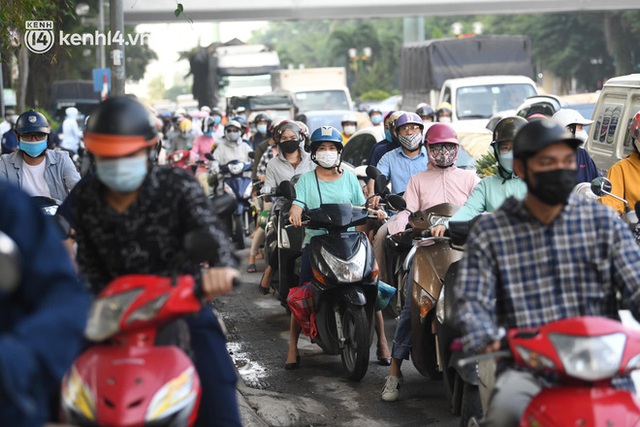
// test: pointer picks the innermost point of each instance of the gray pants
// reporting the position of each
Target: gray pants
(511, 396)
(379, 251)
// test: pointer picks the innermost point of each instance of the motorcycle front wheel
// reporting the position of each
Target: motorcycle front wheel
(238, 231)
(355, 354)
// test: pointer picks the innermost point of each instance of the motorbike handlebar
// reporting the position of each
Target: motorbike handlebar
(199, 292)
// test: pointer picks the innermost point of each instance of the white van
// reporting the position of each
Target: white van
(609, 139)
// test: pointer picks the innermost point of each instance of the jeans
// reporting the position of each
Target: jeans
(402, 340)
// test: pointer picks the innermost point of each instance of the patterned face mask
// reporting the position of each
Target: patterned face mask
(443, 155)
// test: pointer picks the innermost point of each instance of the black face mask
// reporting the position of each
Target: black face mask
(553, 187)
(289, 146)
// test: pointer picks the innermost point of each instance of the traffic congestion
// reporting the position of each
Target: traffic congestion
(272, 252)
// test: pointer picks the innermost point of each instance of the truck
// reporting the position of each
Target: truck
(479, 76)
(73, 93)
(323, 88)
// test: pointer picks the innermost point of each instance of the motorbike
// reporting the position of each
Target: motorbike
(601, 187)
(344, 285)
(582, 355)
(182, 159)
(129, 377)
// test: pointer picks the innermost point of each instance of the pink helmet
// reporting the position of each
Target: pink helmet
(440, 133)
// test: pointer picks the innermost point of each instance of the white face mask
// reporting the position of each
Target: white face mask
(582, 136)
(444, 119)
(327, 159)
(349, 130)
(232, 136)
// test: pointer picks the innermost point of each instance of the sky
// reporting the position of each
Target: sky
(167, 40)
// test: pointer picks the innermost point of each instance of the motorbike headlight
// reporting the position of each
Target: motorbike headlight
(105, 315)
(174, 396)
(425, 301)
(346, 271)
(236, 168)
(149, 310)
(440, 306)
(77, 399)
(177, 156)
(590, 358)
(229, 190)
(247, 191)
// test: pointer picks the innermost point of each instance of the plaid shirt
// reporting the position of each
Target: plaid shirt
(262, 165)
(518, 272)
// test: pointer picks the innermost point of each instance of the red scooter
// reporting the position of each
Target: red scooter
(127, 378)
(584, 354)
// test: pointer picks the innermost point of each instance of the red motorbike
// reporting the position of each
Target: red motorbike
(583, 355)
(137, 372)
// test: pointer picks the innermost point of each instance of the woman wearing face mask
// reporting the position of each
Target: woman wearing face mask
(37, 170)
(573, 121)
(326, 184)
(444, 112)
(492, 191)
(232, 146)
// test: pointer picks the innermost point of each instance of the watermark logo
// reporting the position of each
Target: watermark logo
(38, 36)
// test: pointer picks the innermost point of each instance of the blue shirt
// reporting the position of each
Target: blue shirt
(42, 321)
(587, 170)
(380, 149)
(398, 167)
(520, 273)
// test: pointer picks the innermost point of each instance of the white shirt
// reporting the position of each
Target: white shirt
(71, 134)
(33, 180)
(5, 126)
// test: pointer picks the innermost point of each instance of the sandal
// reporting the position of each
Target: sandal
(251, 268)
(264, 291)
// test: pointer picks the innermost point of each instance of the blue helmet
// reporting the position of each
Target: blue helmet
(32, 122)
(325, 134)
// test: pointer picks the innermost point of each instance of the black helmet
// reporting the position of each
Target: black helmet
(32, 122)
(425, 110)
(261, 118)
(120, 126)
(507, 128)
(538, 135)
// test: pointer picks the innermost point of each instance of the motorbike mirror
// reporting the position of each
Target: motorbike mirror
(224, 205)
(208, 156)
(252, 155)
(9, 264)
(373, 172)
(380, 185)
(600, 186)
(287, 190)
(397, 202)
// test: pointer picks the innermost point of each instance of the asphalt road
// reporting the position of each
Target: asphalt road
(317, 394)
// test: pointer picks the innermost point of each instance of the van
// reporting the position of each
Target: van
(609, 139)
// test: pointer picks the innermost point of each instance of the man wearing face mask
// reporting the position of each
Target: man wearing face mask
(262, 133)
(232, 146)
(493, 190)
(375, 115)
(553, 255)
(444, 112)
(131, 217)
(349, 126)
(573, 121)
(390, 140)
(34, 168)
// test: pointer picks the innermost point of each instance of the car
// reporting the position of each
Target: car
(358, 148)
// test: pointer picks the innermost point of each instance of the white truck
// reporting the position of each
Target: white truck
(478, 76)
(323, 88)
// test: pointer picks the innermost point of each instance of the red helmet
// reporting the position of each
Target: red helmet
(634, 128)
(440, 133)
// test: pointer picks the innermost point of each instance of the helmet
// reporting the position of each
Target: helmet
(408, 118)
(507, 128)
(325, 134)
(634, 127)
(120, 126)
(205, 109)
(32, 122)
(216, 111)
(444, 107)
(538, 135)
(305, 134)
(441, 133)
(567, 116)
(538, 106)
(185, 125)
(374, 110)
(349, 118)
(261, 118)
(233, 123)
(288, 125)
(425, 110)
(209, 123)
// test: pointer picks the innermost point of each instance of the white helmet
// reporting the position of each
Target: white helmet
(566, 116)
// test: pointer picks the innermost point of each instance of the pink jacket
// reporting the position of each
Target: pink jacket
(201, 145)
(432, 187)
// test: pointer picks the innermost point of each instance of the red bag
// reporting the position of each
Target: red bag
(300, 300)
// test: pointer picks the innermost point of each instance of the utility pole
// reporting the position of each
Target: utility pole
(116, 13)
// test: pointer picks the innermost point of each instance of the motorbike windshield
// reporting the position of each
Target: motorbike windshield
(336, 215)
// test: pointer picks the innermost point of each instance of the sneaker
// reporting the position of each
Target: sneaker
(391, 389)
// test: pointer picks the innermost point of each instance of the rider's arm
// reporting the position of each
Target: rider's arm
(625, 254)
(412, 197)
(69, 172)
(617, 176)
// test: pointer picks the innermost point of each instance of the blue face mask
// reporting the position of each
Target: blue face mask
(262, 129)
(506, 161)
(217, 119)
(122, 175)
(376, 119)
(33, 148)
(208, 134)
(387, 134)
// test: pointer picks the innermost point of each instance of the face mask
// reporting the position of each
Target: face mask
(410, 142)
(553, 187)
(387, 135)
(582, 136)
(349, 130)
(289, 146)
(262, 129)
(327, 159)
(444, 119)
(506, 161)
(122, 175)
(217, 119)
(208, 134)
(232, 136)
(33, 148)
(376, 120)
(443, 156)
